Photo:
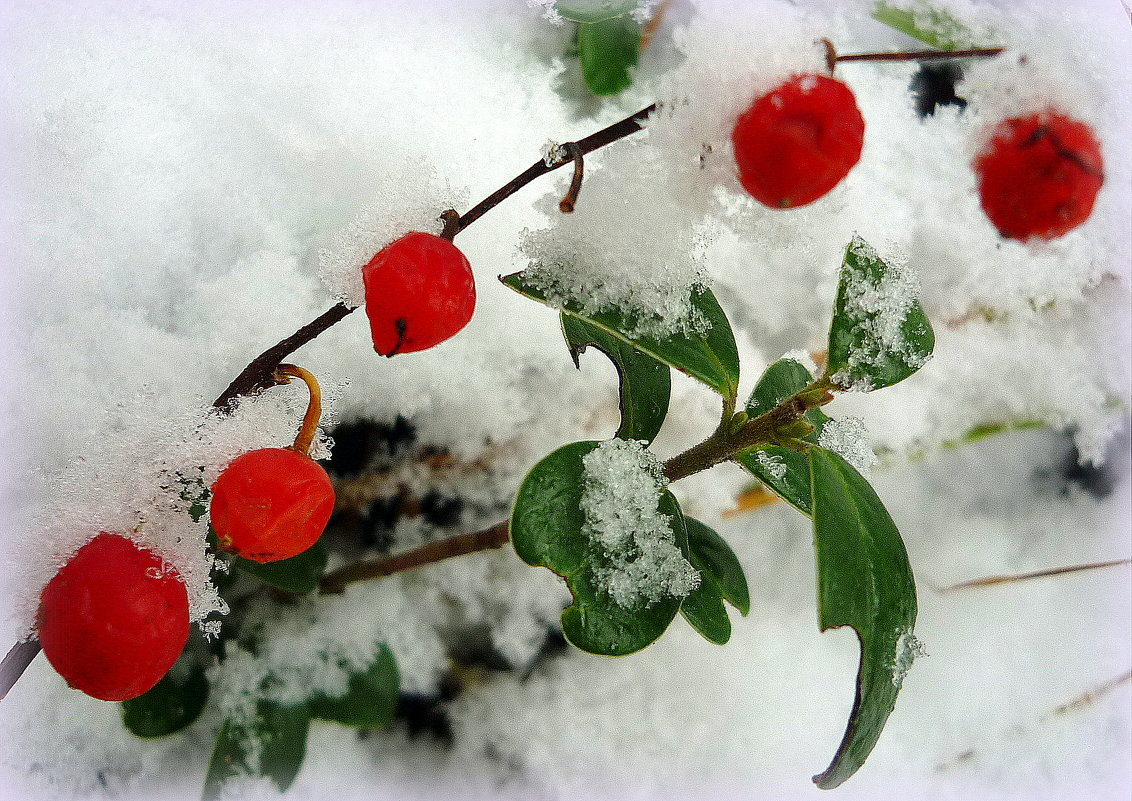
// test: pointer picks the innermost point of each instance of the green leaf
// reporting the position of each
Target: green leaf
(721, 577)
(930, 25)
(608, 51)
(370, 700)
(710, 357)
(865, 582)
(299, 574)
(593, 10)
(172, 704)
(546, 530)
(271, 745)
(711, 554)
(786, 472)
(879, 335)
(645, 383)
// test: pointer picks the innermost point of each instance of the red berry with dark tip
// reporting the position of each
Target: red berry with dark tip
(1039, 175)
(270, 504)
(798, 141)
(419, 292)
(114, 619)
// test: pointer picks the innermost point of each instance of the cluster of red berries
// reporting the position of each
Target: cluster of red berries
(115, 618)
(1038, 175)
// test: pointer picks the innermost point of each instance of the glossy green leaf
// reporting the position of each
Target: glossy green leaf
(547, 530)
(922, 21)
(710, 358)
(370, 700)
(879, 335)
(786, 472)
(711, 554)
(172, 704)
(608, 51)
(272, 745)
(593, 10)
(865, 582)
(721, 578)
(299, 574)
(645, 383)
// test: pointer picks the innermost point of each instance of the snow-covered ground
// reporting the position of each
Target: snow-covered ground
(175, 177)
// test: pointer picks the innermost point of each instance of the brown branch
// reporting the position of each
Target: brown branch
(923, 55)
(258, 375)
(566, 205)
(472, 542)
(15, 663)
(1053, 571)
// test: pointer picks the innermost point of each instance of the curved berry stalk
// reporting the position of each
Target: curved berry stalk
(114, 619)
(274, 503)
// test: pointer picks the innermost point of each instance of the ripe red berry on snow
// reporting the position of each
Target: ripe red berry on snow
(1039, 175)
(419, 292)
(114, 619)
(798, 141)
(271, 504)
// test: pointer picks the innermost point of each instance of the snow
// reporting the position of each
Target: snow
(849, 438)
(175, 172)
(621, 487)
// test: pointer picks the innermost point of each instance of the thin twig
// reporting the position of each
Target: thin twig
(459, 545)
(1053, 571)
(923, 55)
(15, 663)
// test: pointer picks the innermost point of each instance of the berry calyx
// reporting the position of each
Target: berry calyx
(798, 141)
(271, 504)
(419, 292)
(1039, 175)
(114, 619)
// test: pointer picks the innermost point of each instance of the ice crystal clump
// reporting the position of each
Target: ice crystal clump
(908, 650)
(592, 260)
(849, 438)
(409, 198)
(773, 465)
(877, 311)
(621, 489)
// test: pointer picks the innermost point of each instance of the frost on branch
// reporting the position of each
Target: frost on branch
(621, 490)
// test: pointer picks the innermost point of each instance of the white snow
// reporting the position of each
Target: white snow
(849, 438)
(621, 487)
(174, 172)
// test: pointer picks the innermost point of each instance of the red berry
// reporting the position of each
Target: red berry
(797, 142)
(419, 292)
(114, 619)
(271, 504)
(1039, 175)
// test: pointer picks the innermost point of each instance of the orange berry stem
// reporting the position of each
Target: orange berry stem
(283, 375)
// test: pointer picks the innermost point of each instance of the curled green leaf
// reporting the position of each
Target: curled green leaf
(865, 582)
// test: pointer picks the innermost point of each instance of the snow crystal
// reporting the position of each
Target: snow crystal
(408, 198)
(849, 438)
(549, 10)
(908, 650)
(877, 311)
(773, 465)
(621, 490)
(622, 249)
(553, 153)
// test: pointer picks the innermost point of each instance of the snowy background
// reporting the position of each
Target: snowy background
(178, 175)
